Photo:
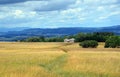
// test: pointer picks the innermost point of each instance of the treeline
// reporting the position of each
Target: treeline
(43, 39)
(97, 36)
(86, 39)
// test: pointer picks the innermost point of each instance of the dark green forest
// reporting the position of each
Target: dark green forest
(98, 36)
(87, 39)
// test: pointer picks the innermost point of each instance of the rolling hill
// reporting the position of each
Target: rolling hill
(48, 32)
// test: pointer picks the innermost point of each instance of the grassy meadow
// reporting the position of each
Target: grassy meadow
(57, 60)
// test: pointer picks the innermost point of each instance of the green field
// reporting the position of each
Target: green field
(57, 60)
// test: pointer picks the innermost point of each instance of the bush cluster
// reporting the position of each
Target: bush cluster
(112, 42)
(89, 44)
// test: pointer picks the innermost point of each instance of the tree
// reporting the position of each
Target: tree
(112, 42)
(102, 36)
(89, 44)
(80, 37)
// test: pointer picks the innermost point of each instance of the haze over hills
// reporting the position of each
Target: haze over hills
(3, 29)
(22, 33)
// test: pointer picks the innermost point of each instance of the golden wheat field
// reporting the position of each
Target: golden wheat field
(57, 60)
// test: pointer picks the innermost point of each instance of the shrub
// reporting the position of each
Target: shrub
(89, 44)
(112, 42)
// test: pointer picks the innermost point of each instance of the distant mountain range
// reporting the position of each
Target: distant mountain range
(21, 33)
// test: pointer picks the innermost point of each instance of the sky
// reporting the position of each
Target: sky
(59, 13)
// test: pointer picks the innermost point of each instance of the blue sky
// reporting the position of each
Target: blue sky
(59, 13)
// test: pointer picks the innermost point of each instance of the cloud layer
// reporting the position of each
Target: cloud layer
(59, 13)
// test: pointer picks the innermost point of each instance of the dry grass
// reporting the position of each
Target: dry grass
(51, 60)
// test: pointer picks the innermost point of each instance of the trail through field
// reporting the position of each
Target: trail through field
(63, 47)
(56, 64)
